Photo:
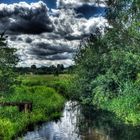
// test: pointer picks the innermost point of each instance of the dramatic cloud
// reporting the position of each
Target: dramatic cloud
(46, 36)
(77, 3)
(44, 49)
(53, 50)
(25, 18)
(70, 27)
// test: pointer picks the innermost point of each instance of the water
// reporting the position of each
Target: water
(79, 123)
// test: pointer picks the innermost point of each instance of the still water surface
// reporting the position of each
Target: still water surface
(74, 125)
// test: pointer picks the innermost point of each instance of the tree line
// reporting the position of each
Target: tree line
(55, 70)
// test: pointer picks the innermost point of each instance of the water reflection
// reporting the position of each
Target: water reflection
(83, 123)
(106, 126)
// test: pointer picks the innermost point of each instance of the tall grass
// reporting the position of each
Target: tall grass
(47, 104)
(59, 83)
(126, 106)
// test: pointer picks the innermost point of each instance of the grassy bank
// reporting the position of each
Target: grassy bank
(47, 104)
(126, 106)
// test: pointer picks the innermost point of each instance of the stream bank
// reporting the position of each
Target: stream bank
(78, 123)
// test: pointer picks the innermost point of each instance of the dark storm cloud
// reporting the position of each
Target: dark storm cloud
(13, 38)
(30, 27)
(24, 18)
(58, 56)
(59, 47)
(51, 51)
(76, 37)
(46, 51)
(20, 39)
(28, 40)
(61, 56)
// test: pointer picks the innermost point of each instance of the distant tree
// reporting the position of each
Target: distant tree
(62, 67)
(8, 61)
(59, 69)
(33, 69)
(52, 69)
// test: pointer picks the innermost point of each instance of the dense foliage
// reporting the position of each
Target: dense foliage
(109, 64)
(8, 60)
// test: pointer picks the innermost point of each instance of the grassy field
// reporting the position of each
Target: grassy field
(44, 91)
(59, 83)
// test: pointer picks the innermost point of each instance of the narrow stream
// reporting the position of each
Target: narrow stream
(73, 125)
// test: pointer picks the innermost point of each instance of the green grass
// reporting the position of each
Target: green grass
(47, 103)
(126, 106)
(59, 83)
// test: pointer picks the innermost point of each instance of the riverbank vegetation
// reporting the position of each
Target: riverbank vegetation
(107, 76)
(47, 103)
(108, 66)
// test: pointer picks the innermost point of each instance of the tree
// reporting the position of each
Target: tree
(8, 60)
(105, 62)
(60, 68)
(33, 69)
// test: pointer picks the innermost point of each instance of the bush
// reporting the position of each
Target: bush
(6, 129)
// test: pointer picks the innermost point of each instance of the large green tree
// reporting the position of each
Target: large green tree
(8, 60)
(105, 62)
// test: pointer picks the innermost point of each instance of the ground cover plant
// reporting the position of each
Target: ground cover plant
(47, 104)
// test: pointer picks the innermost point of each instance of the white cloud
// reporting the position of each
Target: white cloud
(25, 18)
(77, 3)
(68, 25)
(43, 50)
(29, 31)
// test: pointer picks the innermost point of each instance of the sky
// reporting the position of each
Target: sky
(49, 32)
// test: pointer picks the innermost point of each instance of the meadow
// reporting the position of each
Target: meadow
(48, 94)
(44, 91)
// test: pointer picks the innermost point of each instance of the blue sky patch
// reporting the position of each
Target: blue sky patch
(90, 11)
